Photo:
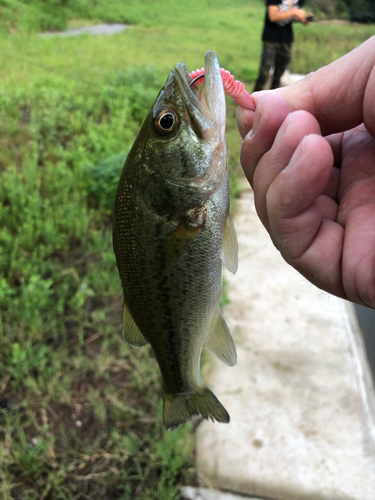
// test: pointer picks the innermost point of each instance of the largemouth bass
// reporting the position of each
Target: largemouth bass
(172, 232)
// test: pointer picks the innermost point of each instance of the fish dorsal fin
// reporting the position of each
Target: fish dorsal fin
(132, 333)
(220, 342)
(230, 246)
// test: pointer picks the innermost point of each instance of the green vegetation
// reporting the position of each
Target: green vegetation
(362, 11)
(80, 411)
(322, 42)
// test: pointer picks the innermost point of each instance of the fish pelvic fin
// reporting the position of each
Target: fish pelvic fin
(132, 333)
(179, 408)
(230, 246)
(220, 342)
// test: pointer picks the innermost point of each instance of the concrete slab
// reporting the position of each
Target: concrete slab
(366, 322)
(300, 398)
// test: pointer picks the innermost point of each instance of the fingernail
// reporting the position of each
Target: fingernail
(297, 155)
(279, 139)
(257, 119)
(244, 116)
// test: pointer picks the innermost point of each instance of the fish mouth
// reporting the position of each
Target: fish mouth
(206, 103)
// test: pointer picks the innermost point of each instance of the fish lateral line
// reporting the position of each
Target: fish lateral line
(233, 88)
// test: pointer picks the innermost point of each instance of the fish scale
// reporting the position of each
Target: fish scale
(171, 232)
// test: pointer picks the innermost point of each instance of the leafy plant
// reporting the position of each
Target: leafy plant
(102, 180)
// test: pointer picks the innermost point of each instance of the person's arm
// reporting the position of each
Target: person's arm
(276, 15)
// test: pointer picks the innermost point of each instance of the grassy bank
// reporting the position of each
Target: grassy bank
(80, 411)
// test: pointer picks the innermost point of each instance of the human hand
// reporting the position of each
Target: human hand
(309, 152)
(300, 16)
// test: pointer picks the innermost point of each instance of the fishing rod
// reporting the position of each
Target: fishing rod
(368, 18)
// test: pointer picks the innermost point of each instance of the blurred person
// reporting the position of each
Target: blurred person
(277, 39)
(308, 151)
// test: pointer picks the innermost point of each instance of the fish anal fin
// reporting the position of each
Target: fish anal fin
(230, 246)
(132, 333)
(179, 408)
(220, 342)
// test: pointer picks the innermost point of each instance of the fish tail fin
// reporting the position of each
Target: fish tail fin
(179, 408)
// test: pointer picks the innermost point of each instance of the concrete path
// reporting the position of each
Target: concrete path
(99, 29)
(300, 398)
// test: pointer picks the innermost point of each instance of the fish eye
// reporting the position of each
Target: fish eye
(165, 121)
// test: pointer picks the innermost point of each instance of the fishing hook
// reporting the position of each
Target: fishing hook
(195, 79)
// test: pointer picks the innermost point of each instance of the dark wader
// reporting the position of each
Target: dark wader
(276, 54)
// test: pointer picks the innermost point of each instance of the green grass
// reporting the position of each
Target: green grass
(322, 42)
(81, 411)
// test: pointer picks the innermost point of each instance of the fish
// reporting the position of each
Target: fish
(172, 232)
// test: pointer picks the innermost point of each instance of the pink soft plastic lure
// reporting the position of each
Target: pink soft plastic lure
(233, 88)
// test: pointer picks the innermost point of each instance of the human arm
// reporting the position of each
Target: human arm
(276, 15)
(309, 152)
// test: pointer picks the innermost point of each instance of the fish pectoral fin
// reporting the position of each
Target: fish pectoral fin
(230, 246)
(179, 408)
(179, 241)
(132, 333)
(184, 234)
(220, 342)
